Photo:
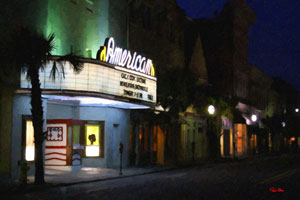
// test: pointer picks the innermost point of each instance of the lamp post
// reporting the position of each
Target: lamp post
(211, 135)
(211, 111)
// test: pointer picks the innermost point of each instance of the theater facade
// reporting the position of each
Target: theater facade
(86, 115)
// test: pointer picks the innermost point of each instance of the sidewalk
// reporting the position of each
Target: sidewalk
(65, 176)
(68, 175)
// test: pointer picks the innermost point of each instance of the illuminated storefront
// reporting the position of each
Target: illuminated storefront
(247, 131)
(241, 139)
(226, 137)
(86, 115)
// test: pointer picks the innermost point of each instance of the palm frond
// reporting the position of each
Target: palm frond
(76, 63)
(31, 49)
(53, 71)
(51, 41)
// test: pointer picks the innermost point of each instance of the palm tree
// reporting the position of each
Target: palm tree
(32, 51)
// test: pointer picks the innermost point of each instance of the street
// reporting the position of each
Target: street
(260, 177)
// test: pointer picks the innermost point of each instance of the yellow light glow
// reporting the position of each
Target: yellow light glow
(152, 71)
(92, 150)
(222, 142)
(92, 134)
(103, 54)
(29, 150)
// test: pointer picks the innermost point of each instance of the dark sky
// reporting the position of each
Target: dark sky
(274, 39)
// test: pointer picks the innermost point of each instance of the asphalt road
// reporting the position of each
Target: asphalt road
(261, 177)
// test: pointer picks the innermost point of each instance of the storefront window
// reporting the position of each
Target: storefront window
(29, 150)
(76, 135)
(92, 140)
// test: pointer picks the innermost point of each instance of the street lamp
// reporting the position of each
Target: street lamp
(297, 110)
(211, 109)
(283, 124)
(254, 118)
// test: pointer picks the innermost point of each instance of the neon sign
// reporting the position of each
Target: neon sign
(123, 57)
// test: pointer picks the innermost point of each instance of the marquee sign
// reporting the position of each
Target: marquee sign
(94, 77)
(122, 57)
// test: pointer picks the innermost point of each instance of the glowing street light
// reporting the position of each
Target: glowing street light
(283, 124)
(254, 118)
(297, 110)
(211, 109)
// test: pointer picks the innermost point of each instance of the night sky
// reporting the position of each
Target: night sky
(274, 45)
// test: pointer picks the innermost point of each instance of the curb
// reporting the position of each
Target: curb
(29, 188)
(116, 177)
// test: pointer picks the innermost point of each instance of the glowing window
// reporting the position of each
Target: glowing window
(76, 134)
(92, 140)
(29, 149)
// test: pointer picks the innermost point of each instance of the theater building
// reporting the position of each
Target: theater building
(87, 114)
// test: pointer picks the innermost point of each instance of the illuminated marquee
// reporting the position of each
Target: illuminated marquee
(116, 81)
(123, 57)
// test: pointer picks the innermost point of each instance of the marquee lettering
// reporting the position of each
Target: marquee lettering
(123, 57)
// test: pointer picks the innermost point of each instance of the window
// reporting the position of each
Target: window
(92, 140)
(133, 11)
(76, 135)
(159, 24)
(89, 5)
(55, 134)
(170, 33)
(29, 141)
(146, 18)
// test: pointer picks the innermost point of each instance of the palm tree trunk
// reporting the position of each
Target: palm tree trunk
(37, 120)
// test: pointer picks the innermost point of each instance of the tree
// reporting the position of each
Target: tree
(31, 52)
(176, 88)
(204, 96)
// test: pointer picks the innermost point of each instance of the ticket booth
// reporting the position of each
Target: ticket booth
(68, 141)
(56, 145)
